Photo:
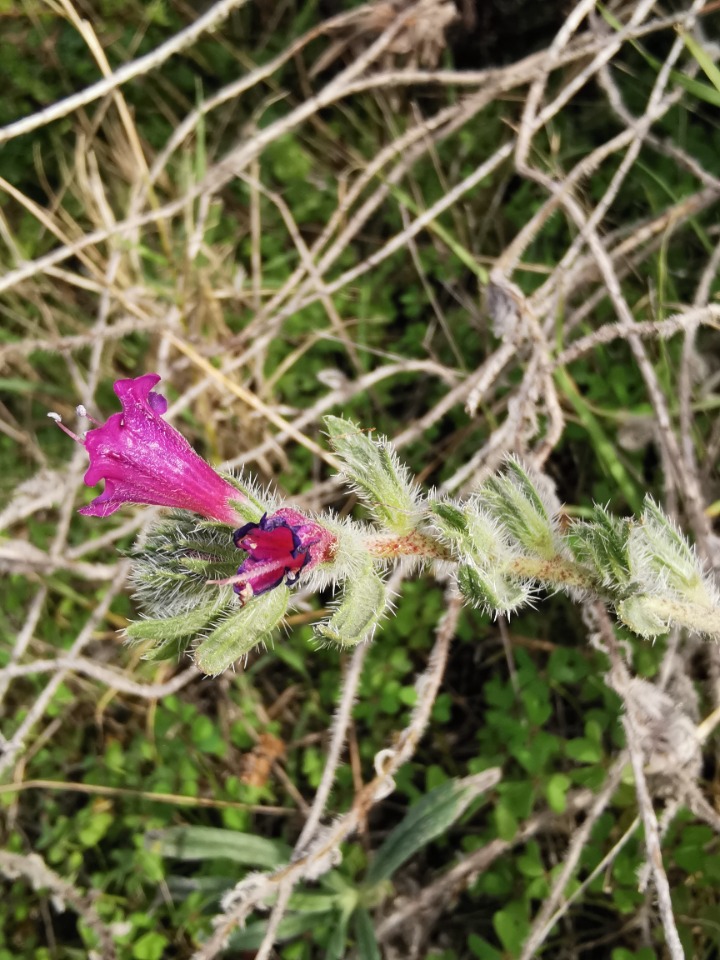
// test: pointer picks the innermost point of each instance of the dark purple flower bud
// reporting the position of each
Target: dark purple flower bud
(142, 459)
(278, 549)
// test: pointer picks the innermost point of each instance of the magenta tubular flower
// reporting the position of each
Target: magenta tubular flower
(142, 459)
(279, 548)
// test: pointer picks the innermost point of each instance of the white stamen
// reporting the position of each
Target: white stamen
(80, 410)
(55, 416)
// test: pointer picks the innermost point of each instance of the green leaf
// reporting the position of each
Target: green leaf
(583, 750)
(604, 449)
(150, 946)
(482, 949)
(303, 901)
(602, 543)
(505, 821)
(337, 942)
(706, 62)
(373, 468)
(428, 818)
(240, 632)
(661, 558)
(524, 506)
(291, 926)
(451, 518)
(490, 590)
(471, 531)
(174, 628)
(511, 925)
(640, 615)
(556, 792)
(210, 843)
(367, 945)
(359, 611)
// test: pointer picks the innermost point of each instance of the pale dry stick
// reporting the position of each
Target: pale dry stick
(504, 439)
(340, 397)
(647, 812)
(22, 641)
(684, 160)
(118, 330)
(108, 539)
(656, 108)
(497, 83)
(410, 146)
(687, 377)
(340, 87)
(229, 92)
(440, 318)
(537, 88)
(309, 266)
(263, 328)
(92, 239)
(672, 807)
(531, 123)
(700, 807)
(647, 329)
(176, 799)
(43, 217)
(400, 240)
(33, 868)
(540, 927)
(603, 864)
(250, 399)
(211, 183)
(284, 892)
(109, 678)
(143, 65)
(433, 899)
(85, 30)
(15, 744)
(318, 859)
(666, 147)
(338, 733)
(478, 382)
(20, 556)
(127, 226)
(508, 259)
(526, 68)
(508, 79)
(675, 467)
(646, 238)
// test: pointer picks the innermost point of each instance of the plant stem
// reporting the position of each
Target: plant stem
(390, 546)
(556, 571)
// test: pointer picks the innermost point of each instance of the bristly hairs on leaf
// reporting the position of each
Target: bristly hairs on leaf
(372, 468)
(662, 561)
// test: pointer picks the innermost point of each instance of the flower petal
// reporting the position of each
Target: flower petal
(142, 459)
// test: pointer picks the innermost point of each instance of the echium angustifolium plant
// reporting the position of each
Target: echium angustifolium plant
(217, 572)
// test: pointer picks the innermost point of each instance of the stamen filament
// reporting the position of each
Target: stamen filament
(58, 420)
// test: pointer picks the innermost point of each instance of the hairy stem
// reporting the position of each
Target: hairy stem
(390, 546)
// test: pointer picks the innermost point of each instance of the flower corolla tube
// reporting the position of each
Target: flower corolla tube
(143, 459)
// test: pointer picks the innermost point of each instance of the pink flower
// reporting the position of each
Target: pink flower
(279, 548)
(142, 459)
